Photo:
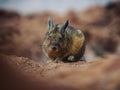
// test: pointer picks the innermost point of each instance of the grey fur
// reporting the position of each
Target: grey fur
(63, 42)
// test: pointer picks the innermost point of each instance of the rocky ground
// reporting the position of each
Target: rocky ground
(23, 65)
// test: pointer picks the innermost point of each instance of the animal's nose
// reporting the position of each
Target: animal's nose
(54, 48)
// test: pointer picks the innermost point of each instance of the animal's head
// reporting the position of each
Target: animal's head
(55, 37)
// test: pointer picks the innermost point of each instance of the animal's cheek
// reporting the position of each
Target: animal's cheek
(61, 45)
(49, 48)
(47, 42)
(64, 44)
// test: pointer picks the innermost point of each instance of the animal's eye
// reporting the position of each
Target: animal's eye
(49, 37)
(60, 38)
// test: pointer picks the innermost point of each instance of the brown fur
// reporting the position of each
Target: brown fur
(69, 43)
(77, 43)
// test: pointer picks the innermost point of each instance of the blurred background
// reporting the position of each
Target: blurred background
(61, 7)
(23, 24)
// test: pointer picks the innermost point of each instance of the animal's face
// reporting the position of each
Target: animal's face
(55, 39)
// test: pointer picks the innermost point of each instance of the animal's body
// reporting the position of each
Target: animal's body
(63, 42)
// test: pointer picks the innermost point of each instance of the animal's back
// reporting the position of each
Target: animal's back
(76, 39)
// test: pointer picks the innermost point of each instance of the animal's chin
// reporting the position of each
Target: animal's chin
(53, 51)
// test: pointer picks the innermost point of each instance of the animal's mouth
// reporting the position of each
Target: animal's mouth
(53, 50)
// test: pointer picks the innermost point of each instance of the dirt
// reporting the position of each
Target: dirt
(22, 73)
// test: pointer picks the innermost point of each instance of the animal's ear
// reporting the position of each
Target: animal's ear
(50, 23)
(65, 25)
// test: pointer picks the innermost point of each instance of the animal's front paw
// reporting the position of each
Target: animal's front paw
(49, 61)
(71, 58)
(56, 61)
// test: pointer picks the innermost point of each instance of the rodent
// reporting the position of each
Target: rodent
(63, 42)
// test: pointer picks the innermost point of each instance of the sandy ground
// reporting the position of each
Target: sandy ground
(21, 73)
